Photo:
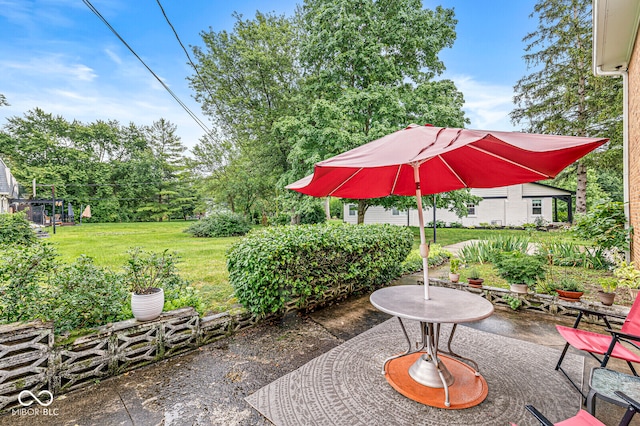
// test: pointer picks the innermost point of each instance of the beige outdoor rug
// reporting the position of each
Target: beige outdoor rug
(345, 386)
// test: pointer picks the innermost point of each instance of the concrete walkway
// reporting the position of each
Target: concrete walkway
(208, 386)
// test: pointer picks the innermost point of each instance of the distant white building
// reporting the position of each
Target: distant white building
(512, 205)
(8, 187)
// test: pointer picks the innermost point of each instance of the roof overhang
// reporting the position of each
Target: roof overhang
(615, 25)
(562, 190)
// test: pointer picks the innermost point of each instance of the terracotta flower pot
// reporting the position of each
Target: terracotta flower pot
(146, 307)
(569, 296)
(475, 282)
(454, 278)
(606, 298)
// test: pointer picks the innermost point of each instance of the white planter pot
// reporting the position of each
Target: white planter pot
(519, 288)
(146, 307)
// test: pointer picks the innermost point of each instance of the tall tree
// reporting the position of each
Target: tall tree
(3, 100)
(561, 95)
(103, 164)
(370, 68)
(245, 82)
(167, 150)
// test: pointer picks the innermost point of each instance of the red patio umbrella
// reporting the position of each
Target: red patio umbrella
(420, 160)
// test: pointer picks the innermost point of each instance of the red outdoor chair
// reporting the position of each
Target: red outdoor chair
(606, 345)
(585, 419)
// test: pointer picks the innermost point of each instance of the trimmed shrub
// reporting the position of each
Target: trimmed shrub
(83, 295)
(280, 219)
(313, 214)
(336, 208)
(15, 229)
(24, 271)
(219, 225)
(275, 266)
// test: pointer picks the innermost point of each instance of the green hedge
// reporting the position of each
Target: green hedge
(15, 229)
(272, 267)
(221, 224)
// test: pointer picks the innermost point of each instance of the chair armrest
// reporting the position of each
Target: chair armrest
(632, 402)
(599, 314)
(538, 415)
(625, 336)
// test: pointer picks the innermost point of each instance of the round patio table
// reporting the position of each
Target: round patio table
(422, 374)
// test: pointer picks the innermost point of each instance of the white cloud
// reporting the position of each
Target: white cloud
(82, 72)
(114, 57)
(48, 67)
(15, 11)
(487, 104)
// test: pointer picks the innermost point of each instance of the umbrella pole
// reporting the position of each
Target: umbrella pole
(424, 248)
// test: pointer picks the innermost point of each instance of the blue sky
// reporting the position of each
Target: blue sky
(58, 56)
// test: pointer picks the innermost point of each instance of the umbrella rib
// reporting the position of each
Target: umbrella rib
(453, 171)
(345, 181)
(509, 161)
(395, 181)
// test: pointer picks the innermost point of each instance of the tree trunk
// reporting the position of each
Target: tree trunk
(581, 190)
(362, 209)
(295, 218)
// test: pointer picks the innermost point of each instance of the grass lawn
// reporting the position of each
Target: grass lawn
(447, 236)
(203, 260)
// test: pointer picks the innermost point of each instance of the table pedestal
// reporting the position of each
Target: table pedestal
(468, 389)
(427, 372)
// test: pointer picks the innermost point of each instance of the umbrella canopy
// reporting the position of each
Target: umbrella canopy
(422, 160)
(447, 159)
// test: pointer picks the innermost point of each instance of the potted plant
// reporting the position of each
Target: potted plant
(607, 294)
(454, 270)
(629, 277)
(520, 270)
(144, 275)
(473, 278)
(569, 289)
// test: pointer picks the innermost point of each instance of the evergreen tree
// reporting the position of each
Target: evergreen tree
(167, 150)
(561, 95)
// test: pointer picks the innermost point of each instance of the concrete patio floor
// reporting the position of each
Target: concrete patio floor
(208, 386)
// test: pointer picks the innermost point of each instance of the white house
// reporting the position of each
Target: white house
(512, 205)
(8, 187)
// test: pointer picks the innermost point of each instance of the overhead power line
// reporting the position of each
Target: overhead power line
(182, 104)
(186, 52)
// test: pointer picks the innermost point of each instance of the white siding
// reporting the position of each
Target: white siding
(490, 192)
(510, 210)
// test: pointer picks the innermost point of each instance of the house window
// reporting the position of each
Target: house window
(536, 207)
(471, 209)
(395, 212)
(353, 210)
